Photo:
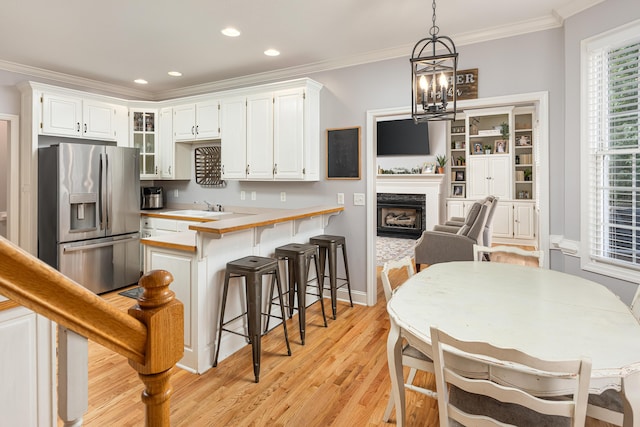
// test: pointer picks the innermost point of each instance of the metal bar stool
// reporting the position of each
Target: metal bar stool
(252, 268)
(298, 258)
(328, 246)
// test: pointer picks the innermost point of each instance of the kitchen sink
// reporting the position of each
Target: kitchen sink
(194, 213)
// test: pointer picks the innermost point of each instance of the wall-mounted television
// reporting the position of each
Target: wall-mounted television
(402, 137)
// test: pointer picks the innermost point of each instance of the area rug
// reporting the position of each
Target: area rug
(132, 293)
(390, 248)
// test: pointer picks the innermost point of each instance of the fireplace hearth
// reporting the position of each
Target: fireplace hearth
(401, 215)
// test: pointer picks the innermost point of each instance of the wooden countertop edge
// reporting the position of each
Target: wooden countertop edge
(8, 304)
(169, 245)
(257, 222)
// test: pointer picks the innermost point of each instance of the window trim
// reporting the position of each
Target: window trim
(626, 33)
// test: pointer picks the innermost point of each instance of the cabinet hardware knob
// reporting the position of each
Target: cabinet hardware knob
(197, 130)
(193, 130)
(85, 128)
(275, 169)
(78, 126)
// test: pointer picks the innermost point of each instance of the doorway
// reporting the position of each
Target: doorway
(538, 99)
(9, 176)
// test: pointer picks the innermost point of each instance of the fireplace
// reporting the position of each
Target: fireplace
(401, 215)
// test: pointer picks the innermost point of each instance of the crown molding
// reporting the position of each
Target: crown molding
(574, 7)
(72, 80)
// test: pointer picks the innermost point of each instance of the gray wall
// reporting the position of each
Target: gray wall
(565, 218)
(542, 61)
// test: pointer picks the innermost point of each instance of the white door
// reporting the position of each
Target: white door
(166, 144)
(208, 120)
(478, 179)
(61, 115)
(523, 222)
(184, 122)
(233, 134)
(98, 120)
(260, 136)
(502, 224)
(499, 176)
(288, 134)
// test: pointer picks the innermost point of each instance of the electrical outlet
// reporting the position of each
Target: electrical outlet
(358, 199)
(283, 196)
(253, 195)
(341, 198)
(243, 195)
(176, 193)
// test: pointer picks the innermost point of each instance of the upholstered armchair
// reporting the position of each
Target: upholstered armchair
(458, 222)
(451, 243)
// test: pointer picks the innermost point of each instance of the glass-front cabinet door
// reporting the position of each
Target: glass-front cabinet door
(145, 139)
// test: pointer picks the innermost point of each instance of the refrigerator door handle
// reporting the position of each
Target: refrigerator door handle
(68, 249)
(109, 195)
(102, 186)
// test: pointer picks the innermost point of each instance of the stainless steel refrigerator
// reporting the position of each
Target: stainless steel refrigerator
(88, 213)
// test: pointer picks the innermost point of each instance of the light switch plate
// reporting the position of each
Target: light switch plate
(243, 195)
(358, 199)
(283, 196)
(341, 198)
(253, 195)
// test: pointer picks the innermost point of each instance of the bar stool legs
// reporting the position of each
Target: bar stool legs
(252, 268)
(298, 258)
(328, 246)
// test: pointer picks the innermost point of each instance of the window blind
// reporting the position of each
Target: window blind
(613, 87)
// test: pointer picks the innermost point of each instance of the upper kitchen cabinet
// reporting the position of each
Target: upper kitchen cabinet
(272, 135)
(145, 139)
(197, 121)
(73, 116)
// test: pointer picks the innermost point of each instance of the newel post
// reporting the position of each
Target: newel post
(163, 315)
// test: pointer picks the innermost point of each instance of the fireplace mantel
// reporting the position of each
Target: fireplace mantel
(431, 185)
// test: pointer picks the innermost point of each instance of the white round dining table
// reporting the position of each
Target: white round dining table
(545, 313)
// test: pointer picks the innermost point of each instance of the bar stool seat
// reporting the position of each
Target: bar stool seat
(252, 268)
(298, 258)
(328, 246)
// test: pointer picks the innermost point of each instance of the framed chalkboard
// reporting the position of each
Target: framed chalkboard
(343, 153)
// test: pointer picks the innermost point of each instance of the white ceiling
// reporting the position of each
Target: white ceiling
(116, 41)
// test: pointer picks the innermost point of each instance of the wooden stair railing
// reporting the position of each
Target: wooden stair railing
(150, 336)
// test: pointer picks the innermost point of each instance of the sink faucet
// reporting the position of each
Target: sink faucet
(211, 207)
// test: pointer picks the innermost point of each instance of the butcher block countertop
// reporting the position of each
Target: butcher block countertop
(264, 218)
(242, 218)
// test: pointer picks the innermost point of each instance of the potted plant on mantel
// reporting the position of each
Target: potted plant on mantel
(442, 162)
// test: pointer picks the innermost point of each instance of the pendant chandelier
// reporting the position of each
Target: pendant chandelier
(434, 63)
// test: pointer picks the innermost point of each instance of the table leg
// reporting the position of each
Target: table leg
(394, 358)
(631, 399)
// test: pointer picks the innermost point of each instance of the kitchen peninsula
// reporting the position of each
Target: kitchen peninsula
(197, 259)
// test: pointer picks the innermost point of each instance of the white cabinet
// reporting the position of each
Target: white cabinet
(72, 116)
(260, 136)
(288, 147)
(514, 222)
(144, 137)
(199, 121)
(458, 208)
(233, 113)
(281, 135)
(175, 158)
(524, 220)
(489, 175)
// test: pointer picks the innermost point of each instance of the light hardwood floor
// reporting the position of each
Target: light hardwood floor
(339, 378)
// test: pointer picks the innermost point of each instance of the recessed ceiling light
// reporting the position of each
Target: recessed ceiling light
(175, 73)
(141, 81)
(230, 32)
(271, 52)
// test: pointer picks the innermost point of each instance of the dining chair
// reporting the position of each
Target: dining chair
(399, 271)
(480, 384)
(509, 255)
(608, 406)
